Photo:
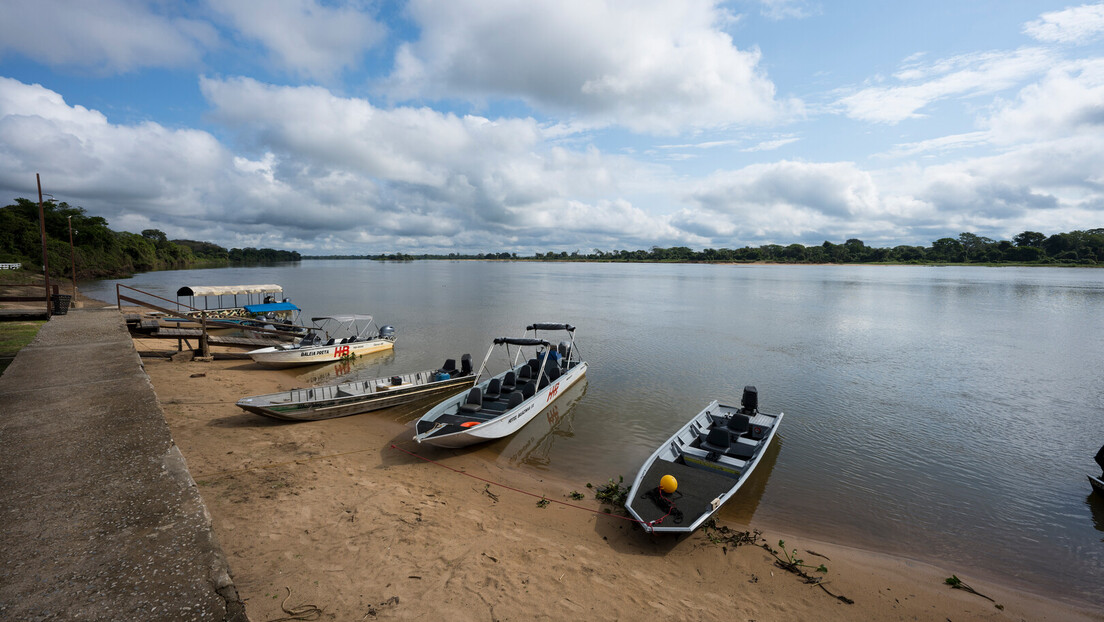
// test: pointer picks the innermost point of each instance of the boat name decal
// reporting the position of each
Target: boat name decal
(552, 393)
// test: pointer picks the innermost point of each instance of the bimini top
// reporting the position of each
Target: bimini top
(520, 341)
(270, 306)
(547, 326)
(221, 290)
(343, 318)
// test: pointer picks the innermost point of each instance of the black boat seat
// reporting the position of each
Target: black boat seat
(509, 382)
(474, 401)
(449, 367)
(738, 423)
(494, 390)
(525, 373)
(716, 441)
(544, 380)
(529, 390)
(553, 372)
(534, 366)
(737, 447)
(515, 400)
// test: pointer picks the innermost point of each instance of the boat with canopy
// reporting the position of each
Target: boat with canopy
(333, 338)
(500, 404)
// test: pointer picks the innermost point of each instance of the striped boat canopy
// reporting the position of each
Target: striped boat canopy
(221, 290)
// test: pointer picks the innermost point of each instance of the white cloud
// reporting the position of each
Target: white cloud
(959, 76)
(109, 36)
(305, 37)
(1079, 24)
(653, 66)
(1067, 101)
(787, 9)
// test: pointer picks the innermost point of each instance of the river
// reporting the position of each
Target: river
(947, 414)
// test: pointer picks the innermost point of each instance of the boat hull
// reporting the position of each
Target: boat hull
(353, 398)
(508, 423)
(284, 356)
(1097, 484)
(705, 481)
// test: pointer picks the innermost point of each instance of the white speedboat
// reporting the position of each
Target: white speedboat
(499, 405)
(325, 343)
(702, 466)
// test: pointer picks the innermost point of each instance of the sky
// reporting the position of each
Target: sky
(470, 126)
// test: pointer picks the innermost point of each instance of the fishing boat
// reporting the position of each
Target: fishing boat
(499, 405)
(324, 343)
(702, 466)
(1098, 482)
(354, 398)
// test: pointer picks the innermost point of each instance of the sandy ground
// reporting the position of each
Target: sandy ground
(362, 530)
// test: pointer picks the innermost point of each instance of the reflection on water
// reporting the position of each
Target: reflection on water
(1095, 502)
(948, 414)
(741, 509)
(366, 367)
(532, 445)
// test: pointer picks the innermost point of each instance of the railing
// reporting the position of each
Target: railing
(206, 319)
(43, 299)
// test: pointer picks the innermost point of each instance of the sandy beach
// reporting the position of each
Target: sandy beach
(341, 515)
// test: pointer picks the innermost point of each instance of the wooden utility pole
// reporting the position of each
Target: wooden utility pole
(45, 259)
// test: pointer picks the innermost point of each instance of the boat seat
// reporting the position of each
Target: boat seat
(494, 390)
(716, 441)
(544, 381)
(330, 342)
(525, 373)
(738, 447)
(529, 390)
(515, 400)
(738, 424)
(534, 366)
(449, 367)
(474, 401)
(553, 372)
(509, 382)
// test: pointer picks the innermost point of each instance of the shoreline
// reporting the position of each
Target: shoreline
(330, 511)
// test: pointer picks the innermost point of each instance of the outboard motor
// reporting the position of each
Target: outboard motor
(750, 400)
(387, 332)
(465, 365)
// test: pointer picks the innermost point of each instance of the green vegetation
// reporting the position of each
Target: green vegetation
(1028, 248)
(99, 252)
(13, 336)
(612, 492)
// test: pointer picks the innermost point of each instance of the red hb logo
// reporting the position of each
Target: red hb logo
(341, 351)
(552, 392)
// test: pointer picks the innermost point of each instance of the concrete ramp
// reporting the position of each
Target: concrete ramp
(101, 520)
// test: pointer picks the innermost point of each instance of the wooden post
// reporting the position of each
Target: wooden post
(73, 258)
(45, 259)
(204, 347)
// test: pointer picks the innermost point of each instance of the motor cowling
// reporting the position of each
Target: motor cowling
(387, 332)
(750, 400)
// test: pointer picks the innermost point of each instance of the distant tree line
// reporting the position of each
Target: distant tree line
(100, 252)
(1029, 247)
